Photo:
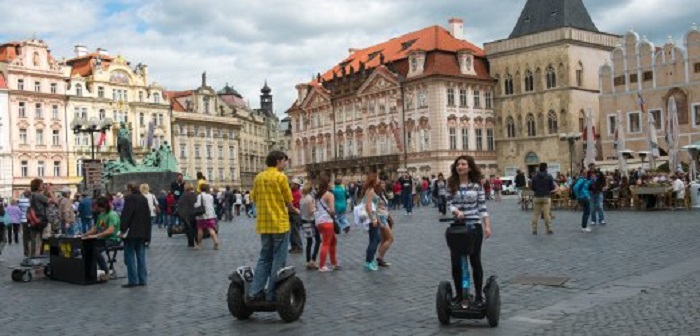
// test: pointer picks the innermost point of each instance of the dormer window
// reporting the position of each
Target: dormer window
(417, 60)
(78, 90)
(156, 98)
(466, 62)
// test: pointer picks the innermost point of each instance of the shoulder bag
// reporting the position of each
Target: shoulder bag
(336, 226)
(200, 210)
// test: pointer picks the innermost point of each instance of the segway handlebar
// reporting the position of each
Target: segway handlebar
(449, 220)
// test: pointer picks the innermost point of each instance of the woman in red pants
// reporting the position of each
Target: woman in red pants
(324, 223)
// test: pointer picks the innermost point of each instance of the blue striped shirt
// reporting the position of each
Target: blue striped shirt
(470, 200)
(23, 204)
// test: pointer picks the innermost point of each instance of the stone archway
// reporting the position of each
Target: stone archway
(532, 161)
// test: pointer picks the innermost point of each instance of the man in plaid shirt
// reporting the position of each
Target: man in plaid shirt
(273, 199)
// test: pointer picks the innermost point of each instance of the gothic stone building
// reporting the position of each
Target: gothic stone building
(416, 102)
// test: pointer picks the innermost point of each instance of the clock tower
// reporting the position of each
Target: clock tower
(266, 101)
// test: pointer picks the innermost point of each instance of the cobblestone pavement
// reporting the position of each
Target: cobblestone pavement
(637, 275)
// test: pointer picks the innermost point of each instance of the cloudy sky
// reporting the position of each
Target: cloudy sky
(245, 42)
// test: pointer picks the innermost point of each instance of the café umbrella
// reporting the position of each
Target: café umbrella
(589, 140)
(693, 150)
(672, 135)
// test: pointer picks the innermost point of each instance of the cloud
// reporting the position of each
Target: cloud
(244, 43)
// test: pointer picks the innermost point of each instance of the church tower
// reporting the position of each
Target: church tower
(266, 101)
(547, 72)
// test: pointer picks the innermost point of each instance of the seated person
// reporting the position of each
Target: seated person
(106, 227)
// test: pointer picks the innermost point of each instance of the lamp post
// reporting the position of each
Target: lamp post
(92, 126)
(571, 138)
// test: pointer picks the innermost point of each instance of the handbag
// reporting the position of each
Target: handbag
(336, 226)
(200, 210)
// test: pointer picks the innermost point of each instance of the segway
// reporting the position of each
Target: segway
(448, 308)
(291, 295)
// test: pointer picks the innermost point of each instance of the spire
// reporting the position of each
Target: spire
(543, 15)
(266, 89)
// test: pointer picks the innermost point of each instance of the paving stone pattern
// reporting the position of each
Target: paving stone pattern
(187, 289)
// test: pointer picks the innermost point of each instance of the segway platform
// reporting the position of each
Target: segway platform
(290, 292)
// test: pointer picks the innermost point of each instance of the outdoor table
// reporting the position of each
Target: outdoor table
(656, 191)
(73, 259)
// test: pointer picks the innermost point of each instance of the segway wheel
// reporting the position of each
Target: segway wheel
(291, 298)
(27, 276)
(48, 272)
(493, 301)
(442, 302)
(16, 275)
(170, 232)
(236, 302)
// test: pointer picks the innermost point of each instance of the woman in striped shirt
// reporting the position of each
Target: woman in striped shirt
(467, 203)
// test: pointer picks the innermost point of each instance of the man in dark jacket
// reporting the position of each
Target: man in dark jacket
(520, 184)
(542, 185)
(136, 231)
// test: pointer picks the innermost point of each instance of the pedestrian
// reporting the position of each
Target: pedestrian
(163, 216)
(23, 204)
(249, 207)
(295, 219)
(582, 192)
(440, 193)
(370, 199)
(398, 199)
(542, 185)
(4, 223)
(497, 187)
(42, 196)
(200, 181)
(185, 211)
(135, 221)
(598, 189)
(228, 204)
(467, 203)
(14, 214)
(407, 193)
(106, 227)
(67, 215)
(325, 210)
(271, 193)
(169, 214)
(207, 220)
(678, 193)
(520, 184)
(178, 189)
(118, 203)
(308, 225)
(238, 201)
(341, 205)
(152, 202)
(386, 221)
(425, 191)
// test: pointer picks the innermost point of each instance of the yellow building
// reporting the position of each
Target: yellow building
(658, 73)
(102, 86)
(547, 72)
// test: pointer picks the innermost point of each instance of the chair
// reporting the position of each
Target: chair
(613, 202)
(111, 253)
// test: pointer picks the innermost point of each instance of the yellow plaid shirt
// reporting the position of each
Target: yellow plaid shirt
(270, 194)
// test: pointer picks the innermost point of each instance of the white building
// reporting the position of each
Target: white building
(5, 149)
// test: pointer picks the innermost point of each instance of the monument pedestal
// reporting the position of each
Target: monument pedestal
(157, 181)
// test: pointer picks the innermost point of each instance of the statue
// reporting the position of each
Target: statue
(124, 148)
(381, 58)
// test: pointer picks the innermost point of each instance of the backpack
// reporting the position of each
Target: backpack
(576, 189)
(33, 218)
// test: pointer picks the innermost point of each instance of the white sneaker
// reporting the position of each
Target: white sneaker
(325, 269)
(593, 224)
(586, 229)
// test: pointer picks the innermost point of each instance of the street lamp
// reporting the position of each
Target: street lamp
(94, 125)
(643, 155)
(571, 138)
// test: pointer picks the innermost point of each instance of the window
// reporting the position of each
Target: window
(579, 77)
(232, 174)
(551, 77)
(359, 147)
(208, 151)
(78, 90)
(210, 173)
(382, 106)
(39, 112)
(529, 81)
(414, 64)
(207, 106)
(231, 153)
(479, 139)
(531, 130)
(425, 140)
(581, 122)
(349, 114)
(54, 88)
(40, 137)
(490, 145)
(196, 152)
(37, 86)
(102, 114)
(552, 126)
(508, 85)
(141, 96)
(55, 138)
(221, 153)
(634, 122)
(183, 151)
(328, 149)
(450, 97)
(79, 167)
(409, 141)
(465, 139)
(510, 127)
(160, 119)
(24, 168)
(341, 151)
(57, 168)
(313, 155)
(422, 99)
(221, 174)
(54, 112)
(477, 102)
(22, 111)
(619, 80)
(488, 100)
(658, 118)
(142, 119)
(696, 115)
(23, 136)
(40, 169)
(453, 138)
(462, 98)
(100, 92)
(20, 84)
(612, 124)
(156, 99)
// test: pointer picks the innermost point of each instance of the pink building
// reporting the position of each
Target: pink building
(37, 113)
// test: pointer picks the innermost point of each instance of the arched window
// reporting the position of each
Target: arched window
(510, 127)
(552, 125)
(508, 85)
(531, 130)
(551, 77)
(78, 90)
(579, 74)
(529, 81)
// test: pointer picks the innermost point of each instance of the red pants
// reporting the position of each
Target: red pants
(328, 240)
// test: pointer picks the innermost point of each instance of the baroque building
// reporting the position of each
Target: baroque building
(37, 114)
(658, 74)
(103, 86)
(206, 134)
(547, 72)
(414, 102)
(5, 145)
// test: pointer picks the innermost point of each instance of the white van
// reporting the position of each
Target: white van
(508, 185)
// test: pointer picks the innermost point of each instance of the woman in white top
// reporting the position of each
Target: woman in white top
(238, 201)
(309, 231)
(207, 221)
(324, 201)
(152, 201)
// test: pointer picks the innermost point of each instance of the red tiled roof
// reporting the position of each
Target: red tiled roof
(233, 101)
(9, 51)
(84, 65)
(3, 83)
(173, 97)
(434, 38)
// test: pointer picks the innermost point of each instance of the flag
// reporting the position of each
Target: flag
(103, 137)
(149, 140)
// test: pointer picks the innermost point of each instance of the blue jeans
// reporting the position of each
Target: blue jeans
(342, 220)
(273, 257)
(373, 242)
(586, 206)
(407, 200)
(85, 224)
(425, 200)
(597, 203)
(135, 260)
(251, 211)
